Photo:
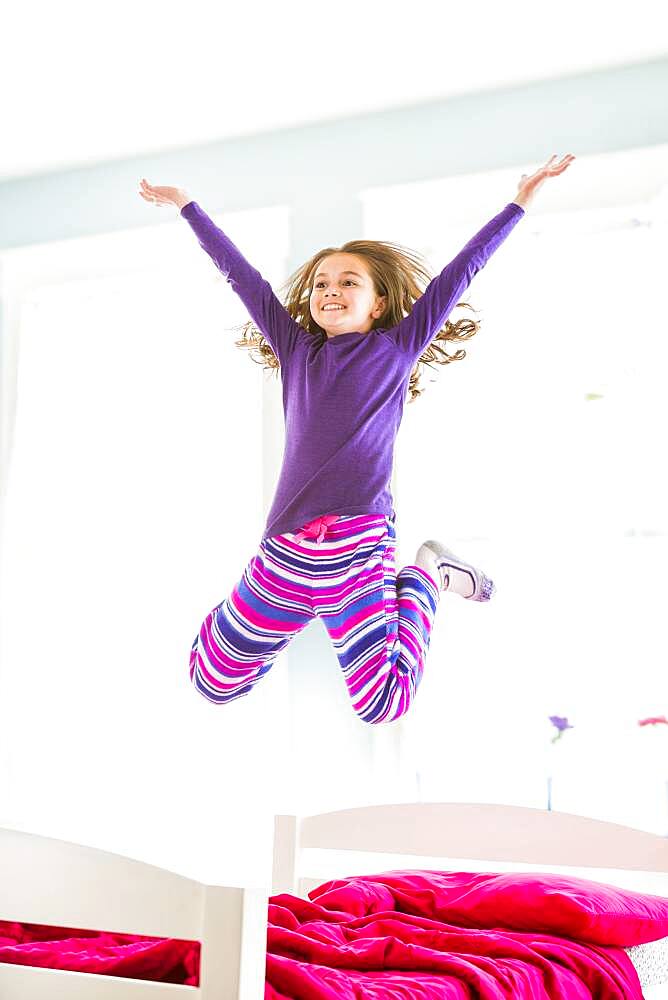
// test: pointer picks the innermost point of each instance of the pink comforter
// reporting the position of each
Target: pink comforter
(378, 938)
(316, 953)
(160, 959)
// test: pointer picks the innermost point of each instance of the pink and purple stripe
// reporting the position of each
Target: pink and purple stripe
(380, 622)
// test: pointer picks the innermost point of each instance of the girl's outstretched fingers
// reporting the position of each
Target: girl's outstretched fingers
(150, 193)
(528, 186)
(162, 194)
(558, 168)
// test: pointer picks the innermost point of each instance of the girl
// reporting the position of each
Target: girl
(347, 341)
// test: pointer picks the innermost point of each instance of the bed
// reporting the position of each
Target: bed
(58, 884)
(472, 838)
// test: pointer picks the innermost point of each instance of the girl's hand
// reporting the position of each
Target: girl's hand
(528, 185)
(164, 195)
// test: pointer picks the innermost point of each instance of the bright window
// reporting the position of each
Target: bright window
(540, 458)
(133, 503)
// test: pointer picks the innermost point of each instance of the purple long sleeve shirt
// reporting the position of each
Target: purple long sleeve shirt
(343, 397)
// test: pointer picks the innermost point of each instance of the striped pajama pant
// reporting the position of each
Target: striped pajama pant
(380, 622)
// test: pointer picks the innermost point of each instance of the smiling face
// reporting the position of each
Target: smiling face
(343, 298)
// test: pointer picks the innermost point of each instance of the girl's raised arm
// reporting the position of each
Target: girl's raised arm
(417, 330)
(264, 308)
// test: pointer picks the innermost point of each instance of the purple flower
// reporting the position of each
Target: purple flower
(561, 724)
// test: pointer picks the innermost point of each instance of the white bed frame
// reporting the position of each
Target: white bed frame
(477, 837)
(47, 881)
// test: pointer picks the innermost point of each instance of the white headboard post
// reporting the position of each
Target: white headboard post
(234, 930)
(55, 882)
(286, 837)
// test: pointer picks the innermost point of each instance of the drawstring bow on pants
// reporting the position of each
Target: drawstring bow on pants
(317, 527)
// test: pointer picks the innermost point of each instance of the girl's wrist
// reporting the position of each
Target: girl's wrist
(522, 200)
(182, 201)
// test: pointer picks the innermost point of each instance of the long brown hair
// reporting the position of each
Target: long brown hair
(399, 273)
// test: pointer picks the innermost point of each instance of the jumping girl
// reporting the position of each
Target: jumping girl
(354, 327)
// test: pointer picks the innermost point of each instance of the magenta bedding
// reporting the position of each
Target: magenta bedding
(459, 936)
(164, 960)
(421, 935)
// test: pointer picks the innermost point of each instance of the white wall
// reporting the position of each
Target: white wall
(133, 504)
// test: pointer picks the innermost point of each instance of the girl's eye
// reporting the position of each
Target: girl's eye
(347, 280)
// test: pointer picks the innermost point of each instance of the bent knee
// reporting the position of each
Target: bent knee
(379, 717)
(218, 696)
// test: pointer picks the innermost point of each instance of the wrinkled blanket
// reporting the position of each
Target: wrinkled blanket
(316, 953)
(387, 937)
(164, 960)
